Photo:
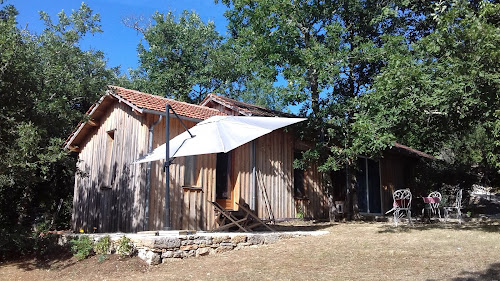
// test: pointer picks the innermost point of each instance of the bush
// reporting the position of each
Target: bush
(103, 247)
(82, 247)
(19, 241)
(125, 247)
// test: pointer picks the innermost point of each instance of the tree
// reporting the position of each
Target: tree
(47, 82)
(180, 57)
(327, 53)
(441, 93)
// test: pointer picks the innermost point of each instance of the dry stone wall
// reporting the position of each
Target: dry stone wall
(155, 249)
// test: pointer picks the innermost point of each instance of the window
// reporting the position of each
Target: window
(298, 179)
(190, 175)
(108, 171)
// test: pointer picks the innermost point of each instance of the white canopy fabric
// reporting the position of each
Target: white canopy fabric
(219, 134)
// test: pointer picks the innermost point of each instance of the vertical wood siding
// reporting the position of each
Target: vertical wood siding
(396, 172)
(121, 206)
(189, 208)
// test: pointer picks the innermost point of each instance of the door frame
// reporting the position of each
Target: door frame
(227, 203)
(368, 185)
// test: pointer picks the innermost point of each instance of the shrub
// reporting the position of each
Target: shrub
(82, 247)
(103, 247)
(125, 247)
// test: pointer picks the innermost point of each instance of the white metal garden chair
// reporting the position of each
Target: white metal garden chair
(456, 207)
(433, 201)
(401, 205)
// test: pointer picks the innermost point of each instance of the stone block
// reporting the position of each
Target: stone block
(219, 239)
(238, 239)
(191, 253)
(202, 251)
(162, 242)
(178, 254)
(255, 239)
(223, 249)
(167, 254)
(271, 238)
(201, 241)
(188, 247)
(149, 256)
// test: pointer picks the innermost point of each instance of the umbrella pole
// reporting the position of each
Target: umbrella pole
(166, 167)
(168, 161)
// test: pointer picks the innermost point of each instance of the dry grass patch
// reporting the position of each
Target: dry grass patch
(353, 251)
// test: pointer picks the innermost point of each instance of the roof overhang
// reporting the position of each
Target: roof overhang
(399, 148)
(85, 126)
(211, 98)
(99, 109)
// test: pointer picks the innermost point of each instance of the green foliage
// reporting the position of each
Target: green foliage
(82, 247)
(186, 59)
(103, 247)
(441, 93)
(47, 82)
(300, 213)
(180, 57)
(328, 53)
(125, 247)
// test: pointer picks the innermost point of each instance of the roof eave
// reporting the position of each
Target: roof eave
(121, 99)
(214, 98)
(82, 124)
(156, 112)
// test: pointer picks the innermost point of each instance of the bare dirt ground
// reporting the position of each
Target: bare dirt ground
(351, 251)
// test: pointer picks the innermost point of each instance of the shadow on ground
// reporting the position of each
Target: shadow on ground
(58, 257)
(486, 227)
(300, 226)
(491, 273)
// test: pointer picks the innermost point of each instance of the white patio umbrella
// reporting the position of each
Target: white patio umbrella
(219, 134)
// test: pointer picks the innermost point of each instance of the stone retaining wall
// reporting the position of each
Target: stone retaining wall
(156, 248)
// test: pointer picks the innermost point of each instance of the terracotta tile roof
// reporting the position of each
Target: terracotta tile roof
(157, 103)
(413, 151)
(244, 108)
(140, 102)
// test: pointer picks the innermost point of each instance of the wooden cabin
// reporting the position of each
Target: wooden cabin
(377, 179)
(112, 194)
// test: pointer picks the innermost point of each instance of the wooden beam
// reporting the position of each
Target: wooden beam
(74, 148)
(93, 122)
(137, 112)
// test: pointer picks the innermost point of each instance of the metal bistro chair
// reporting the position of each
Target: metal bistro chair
(401, 205)
(455, 207)
(433, 201)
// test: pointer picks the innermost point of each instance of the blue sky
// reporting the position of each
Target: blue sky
(118, 42)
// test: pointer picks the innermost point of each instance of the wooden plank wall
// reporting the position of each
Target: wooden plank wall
(274, 158)
(397, 172)
(120, 207)
(189, 208)
(274, 165)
